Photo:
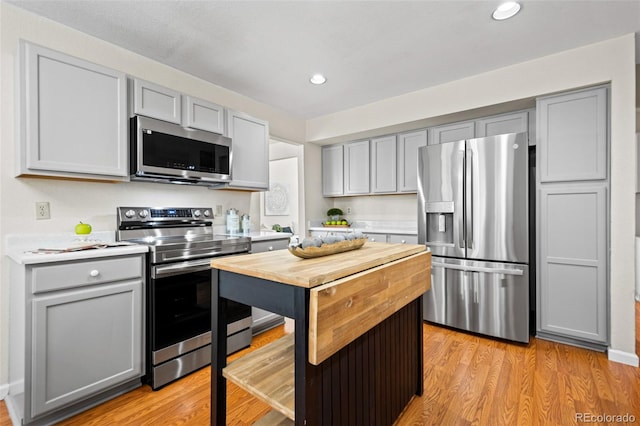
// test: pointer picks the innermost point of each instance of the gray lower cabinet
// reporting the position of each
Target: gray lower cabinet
(83, 334)
(264, 320)
(573, 261)
(572, 218)
(73, 117)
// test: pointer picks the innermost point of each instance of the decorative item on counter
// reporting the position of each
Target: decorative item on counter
(82, 230)
(233, 221)
(277, 228)
(245, 224)
(334, 214)
(335, 219)
(329, 244)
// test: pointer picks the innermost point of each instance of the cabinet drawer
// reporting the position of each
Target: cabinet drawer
(403, 239)
(269, 245)
(82, 273)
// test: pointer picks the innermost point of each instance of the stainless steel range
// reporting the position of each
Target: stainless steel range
(178, 292)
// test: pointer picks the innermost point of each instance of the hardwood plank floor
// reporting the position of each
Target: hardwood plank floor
(468, 380)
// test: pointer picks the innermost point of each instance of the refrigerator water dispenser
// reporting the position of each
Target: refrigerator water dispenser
(439, 222)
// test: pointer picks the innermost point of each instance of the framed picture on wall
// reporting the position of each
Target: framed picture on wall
(276, 200)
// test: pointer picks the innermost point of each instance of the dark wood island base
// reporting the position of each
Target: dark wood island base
(355, 357)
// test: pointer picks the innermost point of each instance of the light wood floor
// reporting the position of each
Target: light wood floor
(468, 380)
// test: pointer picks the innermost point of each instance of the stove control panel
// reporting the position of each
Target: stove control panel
(154, 214)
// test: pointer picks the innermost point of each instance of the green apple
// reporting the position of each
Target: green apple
(344, 222)
(83, 228)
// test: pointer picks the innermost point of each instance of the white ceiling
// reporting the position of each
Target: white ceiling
(369, 50)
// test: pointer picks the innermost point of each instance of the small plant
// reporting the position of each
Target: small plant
(334, 212)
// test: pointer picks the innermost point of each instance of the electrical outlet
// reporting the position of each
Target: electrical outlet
(348, 210)
(42, 210)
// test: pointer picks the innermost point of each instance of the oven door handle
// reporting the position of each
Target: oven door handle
(180, 268)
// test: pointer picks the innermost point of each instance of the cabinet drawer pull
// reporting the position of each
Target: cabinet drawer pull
(404, 241)
(94, 273)
(270, 248)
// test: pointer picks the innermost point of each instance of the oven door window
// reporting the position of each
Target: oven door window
(180, 307)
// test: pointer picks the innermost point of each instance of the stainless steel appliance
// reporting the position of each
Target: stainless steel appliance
(178, 292)
(473, 215)
(168, 153)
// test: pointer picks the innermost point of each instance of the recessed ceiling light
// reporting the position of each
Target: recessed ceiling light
(506, 10)
(318, 79)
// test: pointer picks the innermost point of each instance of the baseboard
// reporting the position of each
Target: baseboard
(623, 357)
(4, 391)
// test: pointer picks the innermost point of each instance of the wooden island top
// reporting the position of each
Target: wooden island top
(283, 267)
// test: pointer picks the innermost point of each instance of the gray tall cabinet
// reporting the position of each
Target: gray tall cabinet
(573, 209)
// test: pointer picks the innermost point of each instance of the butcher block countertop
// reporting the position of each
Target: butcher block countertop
(283, 267)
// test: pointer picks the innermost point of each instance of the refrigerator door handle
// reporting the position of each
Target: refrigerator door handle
(461, 211)
(466, 268)
(469, 199)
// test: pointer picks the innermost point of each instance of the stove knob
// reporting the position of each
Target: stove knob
(196, 213)
(207, 213)
(143, 213)
(130, 213)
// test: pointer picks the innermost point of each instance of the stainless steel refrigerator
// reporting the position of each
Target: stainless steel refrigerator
(473, 215)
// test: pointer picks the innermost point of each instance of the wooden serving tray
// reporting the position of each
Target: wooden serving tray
(327, 249)
(324, 225)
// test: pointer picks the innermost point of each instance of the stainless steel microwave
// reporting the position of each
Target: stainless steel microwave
(168, 153)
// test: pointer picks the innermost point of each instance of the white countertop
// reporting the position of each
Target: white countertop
(28, 249)
(371, 227)
(269, 235)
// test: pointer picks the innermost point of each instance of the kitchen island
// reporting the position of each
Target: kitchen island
(356, 354)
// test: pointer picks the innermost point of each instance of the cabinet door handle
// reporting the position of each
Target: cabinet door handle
(94, 273)
(270, 248)
(404, 241)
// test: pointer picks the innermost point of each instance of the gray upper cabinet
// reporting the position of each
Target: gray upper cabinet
(332, 170)
(383, 164)
(356, 168)
(162, 103)
(572, 134)
(202, 115)
(73, 117)
(451, 132)
(501, 124)
(572, 218)
(250, 151)
(408, 144)
(155, 101)
(385, 177)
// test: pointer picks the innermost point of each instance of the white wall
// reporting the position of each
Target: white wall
(609, 61)
(94, 202)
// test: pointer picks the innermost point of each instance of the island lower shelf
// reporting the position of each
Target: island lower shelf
(268, 374)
